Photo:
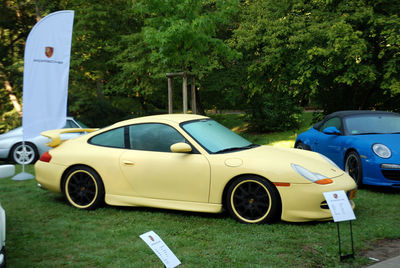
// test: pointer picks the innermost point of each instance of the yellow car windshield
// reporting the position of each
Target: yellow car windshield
(214, 137)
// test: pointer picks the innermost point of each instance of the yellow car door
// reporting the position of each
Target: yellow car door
(155, 172)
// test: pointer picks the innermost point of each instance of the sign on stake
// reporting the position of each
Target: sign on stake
(160, 249)
(341, 210)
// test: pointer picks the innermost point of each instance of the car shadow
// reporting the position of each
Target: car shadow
(60, 200)
(204, 215)
(381, 189)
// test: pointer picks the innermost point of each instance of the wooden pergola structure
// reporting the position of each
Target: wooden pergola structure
(185, 76)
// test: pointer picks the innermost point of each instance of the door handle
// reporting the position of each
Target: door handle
(128, 163)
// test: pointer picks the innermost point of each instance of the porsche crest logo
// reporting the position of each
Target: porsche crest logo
(49, 51)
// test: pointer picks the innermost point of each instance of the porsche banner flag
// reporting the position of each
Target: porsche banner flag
(46, 72)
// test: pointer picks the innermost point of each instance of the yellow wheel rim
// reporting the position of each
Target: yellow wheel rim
(251, 201)
(81, 189)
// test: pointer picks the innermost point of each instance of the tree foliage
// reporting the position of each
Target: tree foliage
(182, 34)
(338, 54)
(14, 28)
(94, 97)
(267, 57)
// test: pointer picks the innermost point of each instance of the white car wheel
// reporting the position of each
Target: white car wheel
(24, 154)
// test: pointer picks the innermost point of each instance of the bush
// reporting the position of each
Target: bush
(10, 120)
(97, 112)
(270, 112)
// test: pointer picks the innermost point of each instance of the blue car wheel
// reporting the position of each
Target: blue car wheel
(353, 167)
(302, 146)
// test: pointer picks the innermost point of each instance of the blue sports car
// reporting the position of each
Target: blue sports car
(366, 144)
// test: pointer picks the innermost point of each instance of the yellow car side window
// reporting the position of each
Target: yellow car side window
(112, 138)
(153, 137)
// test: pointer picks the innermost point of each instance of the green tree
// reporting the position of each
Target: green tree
(15, 22)
(336, 54)
(94, 96)
(177, 36)
(182, 34)
(356, 63)
(264, 37)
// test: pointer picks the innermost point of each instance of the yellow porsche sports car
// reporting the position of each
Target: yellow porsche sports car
(192, 163)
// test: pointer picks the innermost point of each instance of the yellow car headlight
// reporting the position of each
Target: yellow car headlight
(329, 161)
(311, 176)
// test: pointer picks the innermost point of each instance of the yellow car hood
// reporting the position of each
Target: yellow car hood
(275, 163)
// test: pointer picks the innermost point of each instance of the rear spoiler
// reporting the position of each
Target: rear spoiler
(55, 138)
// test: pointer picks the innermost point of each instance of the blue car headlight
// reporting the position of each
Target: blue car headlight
(381, 150)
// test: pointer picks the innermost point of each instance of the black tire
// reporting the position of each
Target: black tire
(21, 154)
(302, 146)
(3, 251)
(83, 188)
(251, 199)
(353, 167)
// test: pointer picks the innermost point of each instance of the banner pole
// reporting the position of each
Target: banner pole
(23, 175)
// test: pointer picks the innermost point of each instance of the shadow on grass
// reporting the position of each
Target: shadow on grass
(59, 199)
(204, 215)
(381, 189)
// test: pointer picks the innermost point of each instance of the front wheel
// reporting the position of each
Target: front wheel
(353, 167)
(24, 153)
(251, 199)
(83, 188)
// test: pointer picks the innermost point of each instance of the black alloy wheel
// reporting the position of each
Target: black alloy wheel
(83, 188)
(302, 146)
(251, 199)
(353, 167)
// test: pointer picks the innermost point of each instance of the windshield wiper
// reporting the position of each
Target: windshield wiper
(368, 133)
(236, 148)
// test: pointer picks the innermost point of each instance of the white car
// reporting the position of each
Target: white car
(2, 237)
(5, 172)
(12, 149)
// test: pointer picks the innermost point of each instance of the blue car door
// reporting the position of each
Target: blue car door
(329, 143)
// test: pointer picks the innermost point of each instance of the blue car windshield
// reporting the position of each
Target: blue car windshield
(372, 124)
(214, 137)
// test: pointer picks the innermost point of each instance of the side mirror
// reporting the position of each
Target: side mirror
(181, 147)
(331, 131)
(6, 171)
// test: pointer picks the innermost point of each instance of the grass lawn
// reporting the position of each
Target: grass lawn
(43, 231)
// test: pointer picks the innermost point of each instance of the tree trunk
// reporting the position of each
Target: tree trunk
(99, 86)
(199, 105)
(13, 98)
(38, 13)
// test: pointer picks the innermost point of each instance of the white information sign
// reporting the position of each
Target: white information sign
(340, 206)
(160, 249)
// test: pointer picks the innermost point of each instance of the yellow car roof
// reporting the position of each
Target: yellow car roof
(176, 118)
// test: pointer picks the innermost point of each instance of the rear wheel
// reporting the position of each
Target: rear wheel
(251, 199)
(24, 154)
(353, 167)
(302, 146)
(83, 188)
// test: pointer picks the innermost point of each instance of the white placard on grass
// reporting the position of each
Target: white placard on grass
(160, 249)
(340, 206)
